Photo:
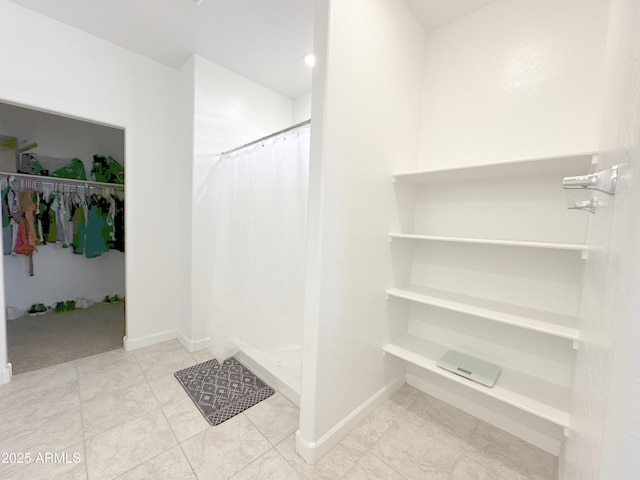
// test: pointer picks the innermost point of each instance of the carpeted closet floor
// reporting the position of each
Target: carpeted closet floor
(52, 338)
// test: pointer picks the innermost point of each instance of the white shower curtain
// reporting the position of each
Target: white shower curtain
(260, 199)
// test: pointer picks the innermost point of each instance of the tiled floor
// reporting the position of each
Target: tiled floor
(121, 415)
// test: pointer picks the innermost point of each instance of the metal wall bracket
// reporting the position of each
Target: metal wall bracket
(604, 181)
(588, 205)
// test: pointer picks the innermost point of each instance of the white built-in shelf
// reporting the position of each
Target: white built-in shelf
(525, 392)
(549, 323)
(562, 166)
(578, 247)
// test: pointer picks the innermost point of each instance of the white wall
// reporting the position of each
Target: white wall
(230, 110)
(63, 138)
(513, 80)
(60, 69)
(365, 117)
(61, 275)
(302, 108)
(605, 437)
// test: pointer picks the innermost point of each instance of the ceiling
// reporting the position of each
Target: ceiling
(264, 40)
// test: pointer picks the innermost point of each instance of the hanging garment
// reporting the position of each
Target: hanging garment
(16, 215)
(64, 235)
(48, 219)
(8, 223)
(38, 219)
(27, 241)
(7, 234)
(118, 224)
(98, 231)
(79, 229)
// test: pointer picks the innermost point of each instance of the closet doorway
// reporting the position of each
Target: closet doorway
(63, 199)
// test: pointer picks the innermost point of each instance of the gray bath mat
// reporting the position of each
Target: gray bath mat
(222, 391)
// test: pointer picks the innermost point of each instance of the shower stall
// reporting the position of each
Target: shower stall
(259, 197)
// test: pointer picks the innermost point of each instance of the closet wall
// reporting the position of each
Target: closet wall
(60, 69)
(59, 273)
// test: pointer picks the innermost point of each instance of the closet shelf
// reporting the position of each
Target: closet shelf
(561, 166)
(66, 181)
(549, 323)
(525, 392)
(487, 241)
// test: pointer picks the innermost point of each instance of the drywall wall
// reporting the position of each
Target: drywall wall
(87, 78)
(229, 111)
(605, 429)
(513, 80)
(302, 108)
(365, 120)
(62, 138)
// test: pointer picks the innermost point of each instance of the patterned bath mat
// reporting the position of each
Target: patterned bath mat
(222, 391)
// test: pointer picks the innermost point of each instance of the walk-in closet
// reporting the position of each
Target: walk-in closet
(62, 189)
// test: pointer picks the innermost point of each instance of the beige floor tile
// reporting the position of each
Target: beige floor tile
(116, 407)
(377, 423)
(412, 451)
(276, 417)
(167, 390)
(469, 468)
(67, 464)
(37, 380)
(170, 465)
(50, 434)
(143, 354)
(369, 467)
(493, 446)
(202, 355)
(406, 395)
(38, 405)
(165, 363)
(94, 384)
(120, 449)
(222, 451)
(185, 418)
(270, 466)
(118, 396)
(336, 463)
(450, 424)
(107, 360)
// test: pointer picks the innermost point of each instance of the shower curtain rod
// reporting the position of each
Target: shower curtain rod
(293, 127)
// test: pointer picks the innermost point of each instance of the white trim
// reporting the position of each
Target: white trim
(134, 344)
(311, 452)
(283, 385)
(6, 373)
(537, 432)
(193, 345)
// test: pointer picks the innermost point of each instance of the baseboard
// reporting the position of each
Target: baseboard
(5, 374)
(531, 429)
(311, 452)
(194, 345)
(141, 342)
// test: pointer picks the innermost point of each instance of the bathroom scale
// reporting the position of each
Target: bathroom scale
(470, 367)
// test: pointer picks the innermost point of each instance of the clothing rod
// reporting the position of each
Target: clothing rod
(66, 181)
(293, 127)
